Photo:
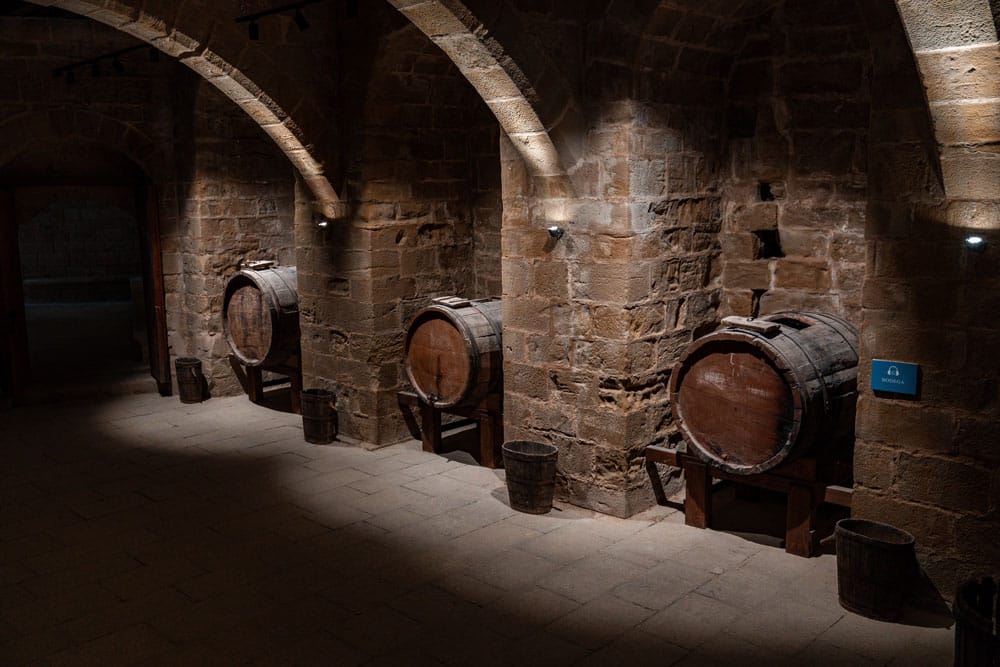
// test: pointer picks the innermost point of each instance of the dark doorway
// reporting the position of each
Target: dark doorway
(83, 286)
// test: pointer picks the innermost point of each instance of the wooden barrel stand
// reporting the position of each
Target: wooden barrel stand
(488, 416)
(799, 479)
(260, 318)
(453, 359)
(251, 378)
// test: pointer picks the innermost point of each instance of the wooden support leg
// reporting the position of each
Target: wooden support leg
(255, 384)
(698, 500)
(490, 439)
(654, 479)
(296, 378)
(799, 521)
(430, 428)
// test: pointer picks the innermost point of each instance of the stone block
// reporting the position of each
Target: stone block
(946, 483)
(798, 242)
(967, 123)
(752, 217)
(874, 465)
(970, 175)
(747, 275)
(803, 275)
(928, 524)
(967, 74)
(906, 426)
(948, 23)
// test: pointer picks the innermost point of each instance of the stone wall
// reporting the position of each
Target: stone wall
(78, 232)
(795, 192)
(422, 183)
(930, 464)
(225, 189)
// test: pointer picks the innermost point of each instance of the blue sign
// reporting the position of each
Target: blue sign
(895, 376)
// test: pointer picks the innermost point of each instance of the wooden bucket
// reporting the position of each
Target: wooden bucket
(977, 623)
(190, 379)
(876, 568)
(260, 316)
(760, 392)
(319, 416)
(452, 353)
(530, 469)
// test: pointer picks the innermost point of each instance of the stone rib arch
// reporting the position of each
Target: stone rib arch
(195, 53)
(499, 81)
(958, 55)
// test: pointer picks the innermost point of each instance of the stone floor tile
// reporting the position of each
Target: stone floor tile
(566, 544)
(213, 534)
(127, 646)
(879, 640)
(543, 648)
(636, 649)
(599, 621)
(788, 627)
(692, 620)
(662, 585)
(820, 652)
(590, 577)
(510, 570)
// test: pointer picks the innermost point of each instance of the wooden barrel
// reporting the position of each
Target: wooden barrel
(759, 392)
(260, 316)
(452, 353)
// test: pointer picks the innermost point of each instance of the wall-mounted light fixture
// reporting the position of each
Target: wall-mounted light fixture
(975, 242)
(69, 71)
(322, 223)
(253, 27)
(556, 232)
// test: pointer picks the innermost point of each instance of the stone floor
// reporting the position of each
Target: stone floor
(138, 530)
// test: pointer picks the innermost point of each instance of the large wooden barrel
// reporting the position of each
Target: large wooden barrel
(759, 392)
(452, 353)
(260, 316)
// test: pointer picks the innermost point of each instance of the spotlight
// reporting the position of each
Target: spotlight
(254, 30)
(556, 232)
(975, 242)
(300, 20)
(322, 223)
(118, 65)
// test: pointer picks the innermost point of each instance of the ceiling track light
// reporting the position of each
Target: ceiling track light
(95, 63)
(252, 20)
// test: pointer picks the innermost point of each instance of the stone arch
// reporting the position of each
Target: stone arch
(958, 55)
(504, 86)
(195, 52)
(27, 130)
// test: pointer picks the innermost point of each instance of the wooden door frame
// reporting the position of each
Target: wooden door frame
(154, 287)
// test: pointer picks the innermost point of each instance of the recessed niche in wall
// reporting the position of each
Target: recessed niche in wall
(764, 192)
(767, 244)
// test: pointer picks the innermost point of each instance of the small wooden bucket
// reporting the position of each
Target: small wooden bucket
(190, 380)
(531, 475)
(319, 416)
(876, 567)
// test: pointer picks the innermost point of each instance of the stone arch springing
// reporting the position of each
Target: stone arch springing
(196, 54)
(499, 81)
(958, 55)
